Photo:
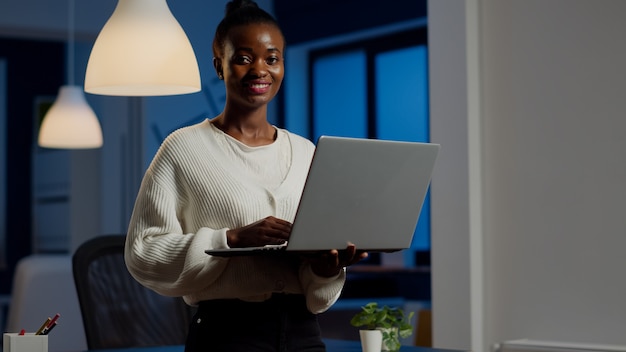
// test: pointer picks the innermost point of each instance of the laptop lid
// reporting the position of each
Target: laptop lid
(369, 192)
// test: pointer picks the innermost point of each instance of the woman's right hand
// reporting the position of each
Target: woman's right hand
(270, 230)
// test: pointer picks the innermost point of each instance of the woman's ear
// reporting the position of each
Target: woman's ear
(217, 64)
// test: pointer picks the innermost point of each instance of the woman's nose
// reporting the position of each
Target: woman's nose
(259, 68)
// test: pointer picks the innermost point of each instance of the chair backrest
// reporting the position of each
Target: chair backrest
(117, 311)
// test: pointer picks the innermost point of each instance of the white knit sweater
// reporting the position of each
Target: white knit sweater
(191, 194)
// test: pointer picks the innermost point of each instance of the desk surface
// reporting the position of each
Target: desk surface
(332, 345)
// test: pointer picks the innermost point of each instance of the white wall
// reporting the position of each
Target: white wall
(542, 256)
(450, 257)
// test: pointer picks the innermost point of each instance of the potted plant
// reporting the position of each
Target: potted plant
(391, 321)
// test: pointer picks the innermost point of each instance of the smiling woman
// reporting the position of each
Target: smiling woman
(250, 62)
(235, 181)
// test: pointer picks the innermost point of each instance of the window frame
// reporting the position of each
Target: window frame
(371, 46)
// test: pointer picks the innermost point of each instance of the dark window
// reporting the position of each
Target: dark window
(377, 88)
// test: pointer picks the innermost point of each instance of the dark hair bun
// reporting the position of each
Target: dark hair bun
(235, 5)
(238, 13)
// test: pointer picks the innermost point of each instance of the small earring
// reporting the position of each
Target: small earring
(220, 76)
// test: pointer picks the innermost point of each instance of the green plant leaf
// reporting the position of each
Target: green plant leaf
(392, 321)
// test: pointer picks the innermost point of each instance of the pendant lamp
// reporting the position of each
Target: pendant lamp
(142, 51)
(70, 123)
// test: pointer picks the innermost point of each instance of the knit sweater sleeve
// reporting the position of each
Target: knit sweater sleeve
(321, 293)
(158, 252)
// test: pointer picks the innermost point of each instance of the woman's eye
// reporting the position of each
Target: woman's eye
(242, 60)
(272, 60)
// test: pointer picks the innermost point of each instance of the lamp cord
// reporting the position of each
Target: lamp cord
(70, 44)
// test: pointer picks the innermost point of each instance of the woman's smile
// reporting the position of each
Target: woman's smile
(256, 87)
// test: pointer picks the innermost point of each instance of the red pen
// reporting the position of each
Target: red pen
(54, 319)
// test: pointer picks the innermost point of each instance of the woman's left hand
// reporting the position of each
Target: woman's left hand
(331, 263)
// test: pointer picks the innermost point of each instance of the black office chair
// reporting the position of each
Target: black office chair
(117, 311)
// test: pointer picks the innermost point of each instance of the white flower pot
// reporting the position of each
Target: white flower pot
(371, 340)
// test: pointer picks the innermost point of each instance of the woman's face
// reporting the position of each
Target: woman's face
(252, 64)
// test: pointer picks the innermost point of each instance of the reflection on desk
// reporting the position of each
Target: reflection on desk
(332, 345)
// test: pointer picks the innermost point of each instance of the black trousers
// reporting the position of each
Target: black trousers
(280, 324)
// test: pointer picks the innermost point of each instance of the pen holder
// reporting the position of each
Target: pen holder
(29, 342)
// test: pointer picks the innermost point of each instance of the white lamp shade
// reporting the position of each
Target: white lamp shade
(142, 51)
(70, 123)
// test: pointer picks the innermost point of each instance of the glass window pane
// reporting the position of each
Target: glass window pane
(339, 95)
(402, 94)
(402, 111)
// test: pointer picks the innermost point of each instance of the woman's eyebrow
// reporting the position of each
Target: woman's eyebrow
(250, 50)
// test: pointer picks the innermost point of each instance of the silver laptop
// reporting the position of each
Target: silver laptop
(364, 191)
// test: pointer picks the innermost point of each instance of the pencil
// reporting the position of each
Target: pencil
(43, 326)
